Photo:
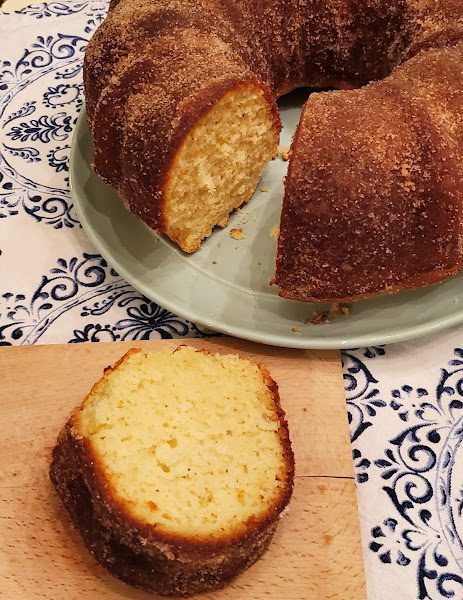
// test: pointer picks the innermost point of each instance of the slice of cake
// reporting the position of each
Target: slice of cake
(176, 468)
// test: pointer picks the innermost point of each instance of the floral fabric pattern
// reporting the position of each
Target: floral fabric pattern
(405, 406)
(63, 291)
(404, 402)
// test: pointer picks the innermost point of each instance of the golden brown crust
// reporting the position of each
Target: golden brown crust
(143, 555)
(413, 283)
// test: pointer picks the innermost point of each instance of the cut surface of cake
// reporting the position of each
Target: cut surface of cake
(176, 468)
(219, 165)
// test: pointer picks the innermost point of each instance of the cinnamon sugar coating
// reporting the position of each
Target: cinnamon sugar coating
(374, 189)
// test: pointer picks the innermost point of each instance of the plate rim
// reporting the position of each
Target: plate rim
(301, 343)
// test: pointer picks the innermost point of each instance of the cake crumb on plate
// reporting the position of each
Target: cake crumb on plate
(237, 233)
(323, 317)
(275, 231)
(284, 152)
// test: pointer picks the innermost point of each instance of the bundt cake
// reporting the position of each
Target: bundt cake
(176, 468)
(181, 103)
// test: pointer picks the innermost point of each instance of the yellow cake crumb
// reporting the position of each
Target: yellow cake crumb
(284, 152)
(275, 231)
(189, 425)
(237, 233)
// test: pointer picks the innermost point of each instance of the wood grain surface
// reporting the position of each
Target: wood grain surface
(316, 553)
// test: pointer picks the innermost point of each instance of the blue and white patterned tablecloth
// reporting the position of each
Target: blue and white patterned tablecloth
(405, 402)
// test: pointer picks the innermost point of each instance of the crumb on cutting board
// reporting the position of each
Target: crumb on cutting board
(296, 330)
(265, 189)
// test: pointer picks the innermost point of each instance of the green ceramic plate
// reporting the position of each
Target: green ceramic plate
(224, 285)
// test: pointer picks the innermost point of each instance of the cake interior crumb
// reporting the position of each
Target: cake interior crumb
(187, 425)
(284, 152)
(275, 231)
(237, 233)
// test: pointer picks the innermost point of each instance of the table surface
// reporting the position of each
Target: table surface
(405, 401)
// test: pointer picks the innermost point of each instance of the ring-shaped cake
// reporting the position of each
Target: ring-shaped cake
(181, 98)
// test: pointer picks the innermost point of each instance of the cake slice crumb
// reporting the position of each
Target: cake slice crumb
(237, 233)
(322, 317)
(284, 152)
(275, 231)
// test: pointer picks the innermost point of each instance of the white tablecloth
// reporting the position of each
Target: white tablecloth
(405, 402)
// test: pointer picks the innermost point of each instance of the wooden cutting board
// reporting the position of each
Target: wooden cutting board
(316, 553)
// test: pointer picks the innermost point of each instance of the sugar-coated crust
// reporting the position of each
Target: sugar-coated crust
(344, 237)
(144, 556)
(353, 225)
